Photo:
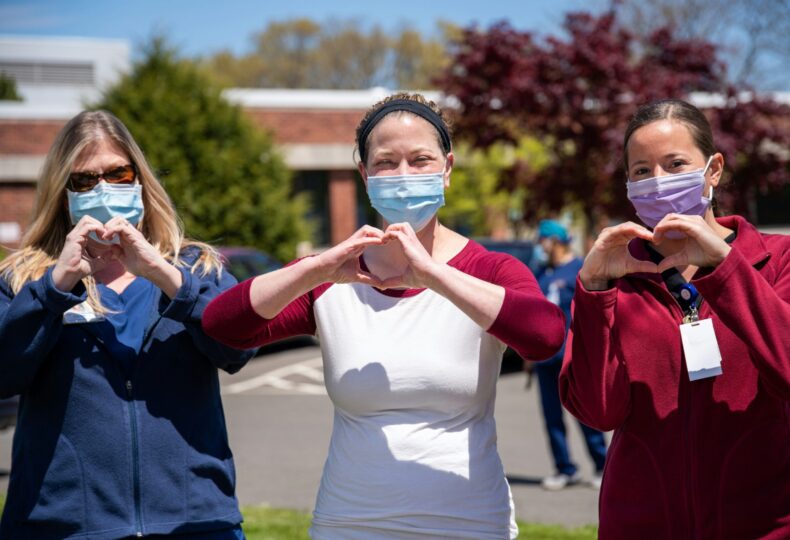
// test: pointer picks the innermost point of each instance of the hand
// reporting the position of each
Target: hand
(420, 263)
(76, 261)
(700, 247)
(340, 263)
(140, 258)
(609, 258)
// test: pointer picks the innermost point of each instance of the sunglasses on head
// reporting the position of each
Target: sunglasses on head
(87, 180)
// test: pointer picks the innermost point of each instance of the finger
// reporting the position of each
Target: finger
(367, 278)
(368, 231)
(392, 282)
(87, 223)
(403, 227)
(636, 265)
(357, 247)
(396, 234)
(678, 259)
(87, 219)
(80, 232)
(120, 227)
(631, 230)
(680, 223)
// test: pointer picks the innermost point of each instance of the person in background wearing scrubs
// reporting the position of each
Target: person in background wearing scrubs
(558, 282)
(121, 432)
(680, 344)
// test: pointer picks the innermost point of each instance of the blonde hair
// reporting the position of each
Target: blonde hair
(45, 237)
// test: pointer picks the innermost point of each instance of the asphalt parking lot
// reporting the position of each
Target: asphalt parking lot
(279, 420)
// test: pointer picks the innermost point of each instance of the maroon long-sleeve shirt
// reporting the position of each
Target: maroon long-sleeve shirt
(707, 459)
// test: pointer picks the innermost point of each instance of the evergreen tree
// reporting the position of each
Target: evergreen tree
(8, 89)
(228, 183)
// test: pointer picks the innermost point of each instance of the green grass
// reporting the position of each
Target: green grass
(274, 523)
(263, 523)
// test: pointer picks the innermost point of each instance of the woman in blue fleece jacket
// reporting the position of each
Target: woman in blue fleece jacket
(121, 430)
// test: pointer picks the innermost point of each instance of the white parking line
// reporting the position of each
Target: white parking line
(280, 379)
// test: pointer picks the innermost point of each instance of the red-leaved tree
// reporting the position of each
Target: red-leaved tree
(577, 95)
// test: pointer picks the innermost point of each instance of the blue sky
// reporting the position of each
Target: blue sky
(202, 27)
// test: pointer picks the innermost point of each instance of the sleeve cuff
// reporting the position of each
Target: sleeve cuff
(56, 300)
(715, 280)
(180, 307)
(605, 298)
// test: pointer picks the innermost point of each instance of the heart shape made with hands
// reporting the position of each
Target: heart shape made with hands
(404, 245)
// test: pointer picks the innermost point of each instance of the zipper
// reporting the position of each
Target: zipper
(135, 443)
(133, 424)
(135, 461)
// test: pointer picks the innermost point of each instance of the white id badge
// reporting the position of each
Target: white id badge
(703, 358)
(82, 313)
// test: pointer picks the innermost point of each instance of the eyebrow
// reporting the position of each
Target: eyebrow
(665, 156)
(418, 150)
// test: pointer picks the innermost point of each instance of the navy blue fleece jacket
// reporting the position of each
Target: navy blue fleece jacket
(100, 453)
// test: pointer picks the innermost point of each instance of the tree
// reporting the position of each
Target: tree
(227, 182)
(577, 94)
(751, 34)
(477, 203)
(339, 54)
(418, 60)
(8, 90)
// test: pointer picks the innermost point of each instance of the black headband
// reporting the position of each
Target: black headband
(411, 106)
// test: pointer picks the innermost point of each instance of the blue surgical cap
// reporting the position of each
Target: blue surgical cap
(549, 228)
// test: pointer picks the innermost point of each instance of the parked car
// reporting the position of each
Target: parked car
(524, 251)
(8, 408)
(246, 262)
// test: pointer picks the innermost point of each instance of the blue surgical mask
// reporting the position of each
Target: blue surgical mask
(411, 198)
(107, 201)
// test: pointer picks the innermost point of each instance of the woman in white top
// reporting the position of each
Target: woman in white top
(412, 320)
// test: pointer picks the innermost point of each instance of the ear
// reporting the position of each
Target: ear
(716, 168)
(363, 172)
(448, 168)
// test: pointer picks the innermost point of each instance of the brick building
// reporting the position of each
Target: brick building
(314, 129)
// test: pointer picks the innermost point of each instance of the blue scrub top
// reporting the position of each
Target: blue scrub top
(123, 332)
(128, 317)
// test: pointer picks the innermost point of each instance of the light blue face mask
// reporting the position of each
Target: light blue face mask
(411, 198)
(105, 202)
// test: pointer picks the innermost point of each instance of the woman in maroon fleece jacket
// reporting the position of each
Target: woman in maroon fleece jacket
(703, 458)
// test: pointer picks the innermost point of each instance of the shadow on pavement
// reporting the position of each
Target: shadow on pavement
(523, 480)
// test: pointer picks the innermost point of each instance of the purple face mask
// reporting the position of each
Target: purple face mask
(654, 198)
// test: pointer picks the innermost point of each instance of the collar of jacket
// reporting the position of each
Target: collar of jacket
(748, 241)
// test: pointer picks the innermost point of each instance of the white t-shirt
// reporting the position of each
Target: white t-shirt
(413, 448)
(413, 380)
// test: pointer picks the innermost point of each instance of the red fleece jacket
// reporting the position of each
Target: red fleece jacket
(707, 459)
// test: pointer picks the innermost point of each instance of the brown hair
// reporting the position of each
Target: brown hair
(672, 109)
(418, 98)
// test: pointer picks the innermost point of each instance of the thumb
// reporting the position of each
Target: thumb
(637, 265)
(678, 259)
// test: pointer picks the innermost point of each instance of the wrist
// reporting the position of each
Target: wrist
(722, 255)
(62, 280)
(594, 283)
(315, 271)
(166, 277)
(431, 276)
